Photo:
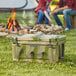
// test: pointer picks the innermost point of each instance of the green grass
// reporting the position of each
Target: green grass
(66, 67)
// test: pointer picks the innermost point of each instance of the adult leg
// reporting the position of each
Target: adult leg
(57, 18)
(40, 16)
(67, 17)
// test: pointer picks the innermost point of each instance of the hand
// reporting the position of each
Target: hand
(50, 21)
(54, 11)
(57, 10)
(48, 17)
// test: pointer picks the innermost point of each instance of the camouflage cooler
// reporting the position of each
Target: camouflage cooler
(38, 47)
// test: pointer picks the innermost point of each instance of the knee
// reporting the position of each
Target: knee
(41, 12)
(66, 12)
(48, 11)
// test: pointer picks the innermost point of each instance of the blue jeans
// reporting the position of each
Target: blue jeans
(41, 16)
(66, 14)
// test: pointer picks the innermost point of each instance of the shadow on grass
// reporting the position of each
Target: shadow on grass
(69, 58)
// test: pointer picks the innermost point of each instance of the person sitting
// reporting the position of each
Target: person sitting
(43, 11)
(64, 7)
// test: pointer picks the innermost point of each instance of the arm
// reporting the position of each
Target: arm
(49, 5)
(46, 14)
(48, 17)
(63, 8)
(59, 9)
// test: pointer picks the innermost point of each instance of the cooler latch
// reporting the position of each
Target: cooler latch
(50, 43)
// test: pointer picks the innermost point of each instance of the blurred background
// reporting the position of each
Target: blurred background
(26, 16)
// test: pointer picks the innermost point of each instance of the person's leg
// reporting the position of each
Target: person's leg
(40, 16)
(67, 17)
(46, 20)
(57, 18)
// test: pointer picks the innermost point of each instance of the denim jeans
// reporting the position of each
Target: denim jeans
(41, 16)
(66, 14)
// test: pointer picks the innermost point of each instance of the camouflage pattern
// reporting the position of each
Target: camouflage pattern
(43, 50)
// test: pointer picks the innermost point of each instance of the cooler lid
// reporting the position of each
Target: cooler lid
(39, 37)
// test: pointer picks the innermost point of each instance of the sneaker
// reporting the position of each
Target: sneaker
(66, 29)
(52, 24)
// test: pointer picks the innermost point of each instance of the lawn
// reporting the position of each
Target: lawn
(8, 67)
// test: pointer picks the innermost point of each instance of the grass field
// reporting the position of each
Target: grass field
(66, 67)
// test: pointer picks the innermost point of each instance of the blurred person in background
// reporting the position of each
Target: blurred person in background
(43, 11)
(64, 7)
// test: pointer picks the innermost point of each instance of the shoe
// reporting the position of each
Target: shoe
(52, 24)
(66, 29)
